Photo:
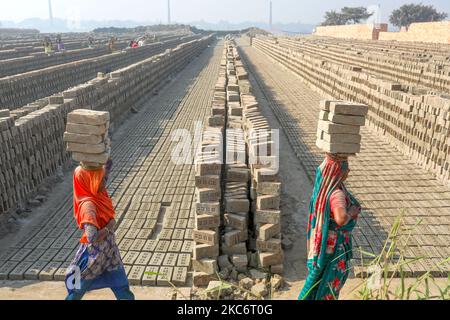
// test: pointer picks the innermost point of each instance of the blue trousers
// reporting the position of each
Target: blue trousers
(121, 293)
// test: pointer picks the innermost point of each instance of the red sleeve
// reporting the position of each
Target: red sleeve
(337, 200)
(88, 214)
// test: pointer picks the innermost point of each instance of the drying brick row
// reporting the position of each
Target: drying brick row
(415, 120)
(32, 146)
(18, 90)
(208, 182)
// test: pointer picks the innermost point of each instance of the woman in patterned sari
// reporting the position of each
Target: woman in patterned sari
(97, 264)
(333, 215)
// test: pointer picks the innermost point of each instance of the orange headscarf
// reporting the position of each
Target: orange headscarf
(91, 202)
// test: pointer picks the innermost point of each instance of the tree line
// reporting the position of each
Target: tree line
(401, 17)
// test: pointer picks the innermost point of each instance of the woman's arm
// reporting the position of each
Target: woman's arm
(340, 216)
(90, 224)
(338, 207)
(94, 235)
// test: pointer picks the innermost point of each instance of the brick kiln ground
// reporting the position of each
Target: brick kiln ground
(145, 180)
(381, 177)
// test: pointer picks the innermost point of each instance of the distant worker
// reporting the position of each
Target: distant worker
(97, 263)
(133, 44)
(333, 213)
(59, 43)
(91, 42)
(48, 46)
(111, 44)
(141, 42)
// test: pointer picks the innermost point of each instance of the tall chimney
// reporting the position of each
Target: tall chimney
(270, 16)
(50, 13)
(168, 11)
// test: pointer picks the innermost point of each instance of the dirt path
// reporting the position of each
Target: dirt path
(296, 193)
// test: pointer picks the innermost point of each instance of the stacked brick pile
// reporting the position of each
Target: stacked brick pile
(236, 198)
(7, 181)
(415, 120)
(32, 149)
(87, 136)
(21, 89)
(265, 187)
(40, 61)
(251, 190)
(208, 182)
(421, 65)
(339, 126)
(31, 143)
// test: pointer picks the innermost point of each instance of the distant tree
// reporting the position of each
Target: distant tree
(347, 15)
(333, 18)
(409, 13)
(356, 14)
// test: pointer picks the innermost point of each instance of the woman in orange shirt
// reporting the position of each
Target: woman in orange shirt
(97, 263)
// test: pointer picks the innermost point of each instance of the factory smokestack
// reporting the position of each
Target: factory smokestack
(50, 12)
(168, 11)
(270, 16)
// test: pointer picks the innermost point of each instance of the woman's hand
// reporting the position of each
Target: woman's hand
(111, 225)
(102, 235)
(354, 212)
(343, 216)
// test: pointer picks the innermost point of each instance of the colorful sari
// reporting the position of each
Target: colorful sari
(96, 265)
(329, 246)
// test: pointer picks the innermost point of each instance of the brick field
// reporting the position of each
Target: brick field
(189, 222)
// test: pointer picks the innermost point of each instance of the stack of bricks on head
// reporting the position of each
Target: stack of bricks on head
(339, 126)
(87, 136)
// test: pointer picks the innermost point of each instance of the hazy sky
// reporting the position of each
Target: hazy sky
(306, 11)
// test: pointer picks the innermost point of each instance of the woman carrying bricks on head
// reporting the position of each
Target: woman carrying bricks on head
(97, 263)
(333, 215)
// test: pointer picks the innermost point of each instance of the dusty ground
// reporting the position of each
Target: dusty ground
(295, 198)
(34, 290)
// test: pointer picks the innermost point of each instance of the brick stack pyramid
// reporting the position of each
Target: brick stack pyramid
(87, 136)
(339, 126)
